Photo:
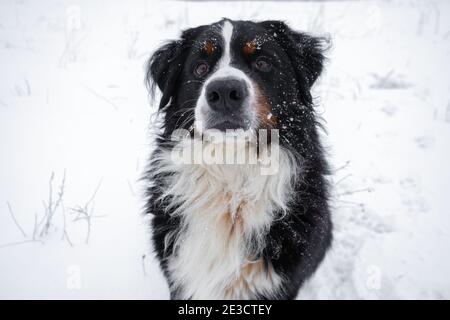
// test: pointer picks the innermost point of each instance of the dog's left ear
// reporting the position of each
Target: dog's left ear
(305, 51)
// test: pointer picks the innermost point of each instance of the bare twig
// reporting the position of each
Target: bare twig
(345, 165)
(86, 212)
(36, 225)
(350, 192)
(131, 188)
(55, 206)
(18, 243)
(143, 264)
(133, 38)
(388, 81)
(52, 205)
(65, 235)
(383, 79)
(15, 220)
(95, 192)
(27, 87)
(347, 204)
(103, 98)
(342, 179)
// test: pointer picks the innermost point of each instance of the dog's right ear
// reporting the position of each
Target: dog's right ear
(164, 68)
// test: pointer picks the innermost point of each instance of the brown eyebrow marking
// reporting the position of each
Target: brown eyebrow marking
(250, 48)
(209, 47)
(264, 110)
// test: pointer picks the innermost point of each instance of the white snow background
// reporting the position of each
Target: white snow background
(73, 104)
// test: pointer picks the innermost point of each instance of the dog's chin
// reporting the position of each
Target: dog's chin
(226, 125)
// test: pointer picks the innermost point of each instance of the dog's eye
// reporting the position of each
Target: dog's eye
(201, 69)
(262, 64)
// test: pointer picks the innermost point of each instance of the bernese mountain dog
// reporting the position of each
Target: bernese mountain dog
(244, 215)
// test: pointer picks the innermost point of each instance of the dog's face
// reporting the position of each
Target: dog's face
(237, 75)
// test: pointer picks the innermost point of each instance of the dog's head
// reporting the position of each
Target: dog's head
(237, 75)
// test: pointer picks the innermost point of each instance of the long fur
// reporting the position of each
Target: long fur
(226, 231)
(225, 214)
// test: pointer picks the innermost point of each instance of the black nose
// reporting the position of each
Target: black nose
(226, 94)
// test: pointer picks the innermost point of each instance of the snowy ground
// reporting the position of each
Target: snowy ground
(73, 103)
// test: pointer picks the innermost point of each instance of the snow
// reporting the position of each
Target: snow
(73, 100)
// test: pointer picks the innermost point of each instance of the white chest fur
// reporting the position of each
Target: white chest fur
(226, 211)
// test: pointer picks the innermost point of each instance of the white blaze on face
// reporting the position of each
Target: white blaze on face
(227, 33)
(224, 70)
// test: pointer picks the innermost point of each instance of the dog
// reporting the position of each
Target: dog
(232, 231)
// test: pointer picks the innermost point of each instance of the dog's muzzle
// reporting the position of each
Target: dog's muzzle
(228, 103)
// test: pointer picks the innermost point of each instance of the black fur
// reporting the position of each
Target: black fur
(296, 244)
